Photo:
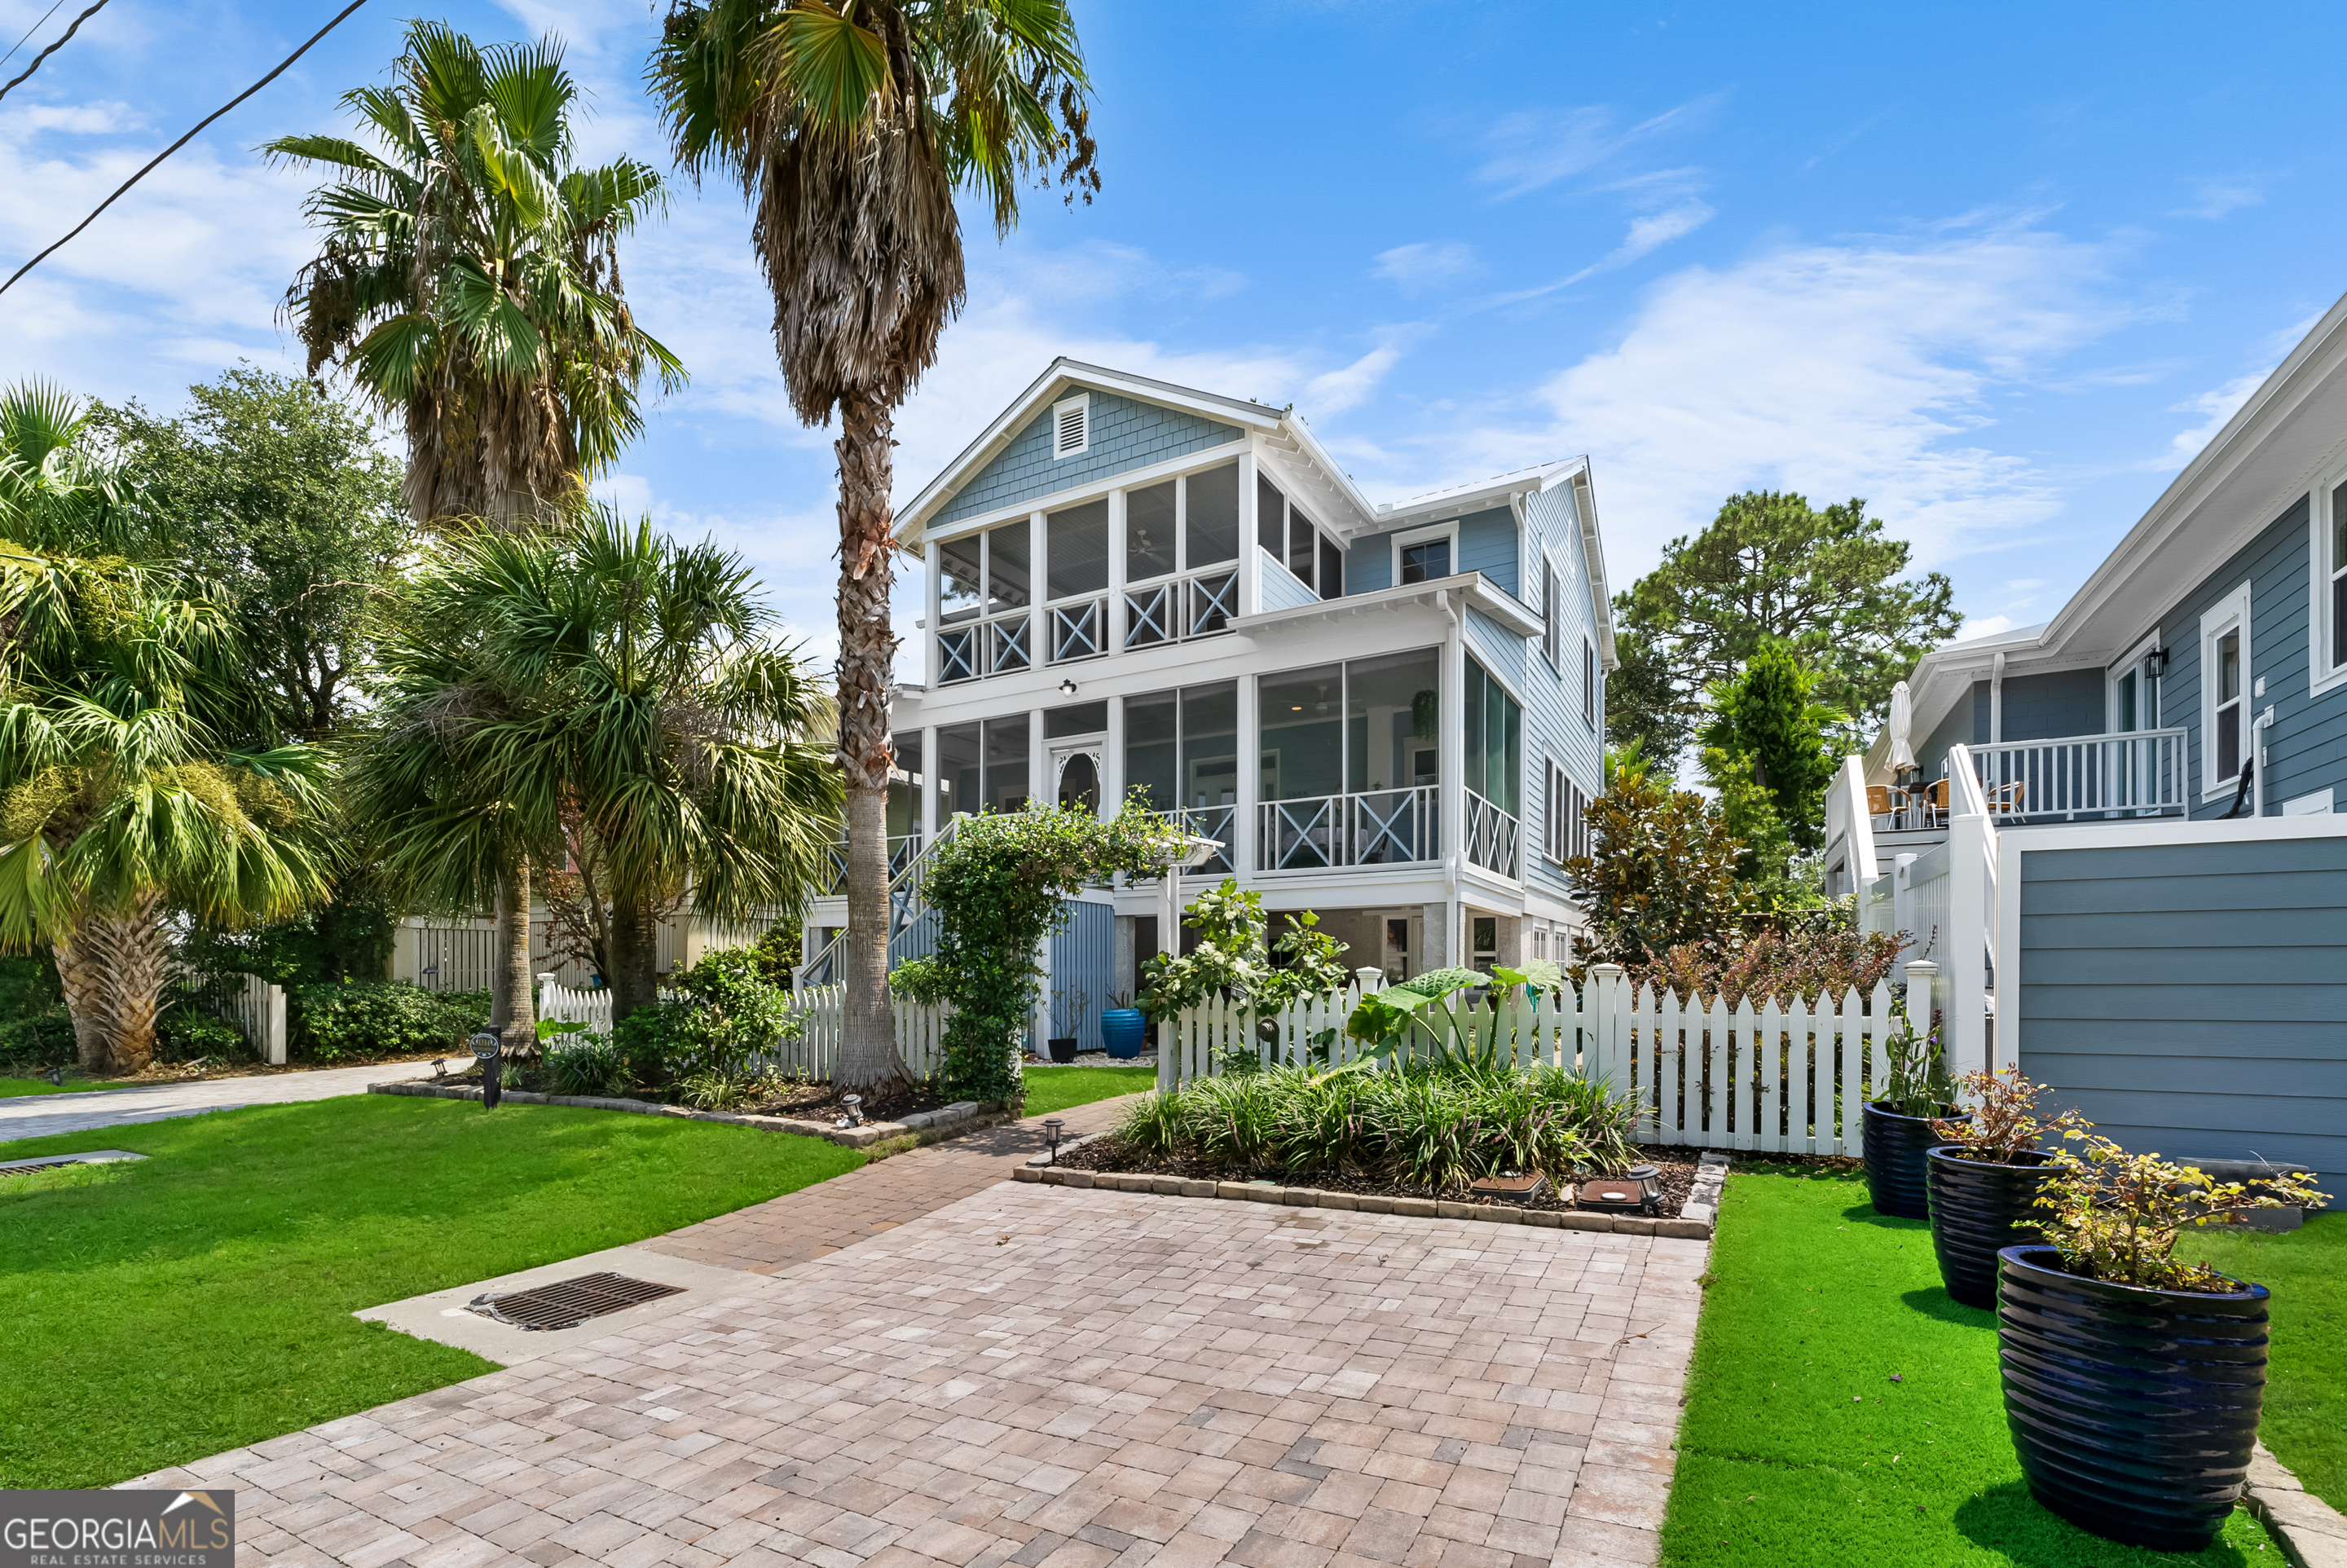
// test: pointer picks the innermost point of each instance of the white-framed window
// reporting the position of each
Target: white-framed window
(1422, 555)
(1565, 815)
(1072, 426)
(1588, 694)
(1289, 536)
(2225, 683)
(1551, 614)
(2327, 566)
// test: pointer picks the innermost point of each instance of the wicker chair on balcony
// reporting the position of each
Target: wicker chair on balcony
(2004, 800)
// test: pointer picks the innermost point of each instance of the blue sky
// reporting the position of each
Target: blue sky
(1998, 269)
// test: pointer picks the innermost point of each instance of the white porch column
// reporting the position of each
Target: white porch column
(1250, 553)
(930, 620)
(1038, 763)
(1451, 729)
(1963, 989)
(1112, 618)
(1249, 745)
(928, 788)
(1112, 769)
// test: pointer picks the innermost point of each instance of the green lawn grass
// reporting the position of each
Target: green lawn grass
(2305, 1419)
(9, 1086)
(1051, 1090)
(1796, 1447)
(157, 1312)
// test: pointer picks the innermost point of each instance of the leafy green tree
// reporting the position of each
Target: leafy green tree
(1766, 726)
(851, 127)
(1829, 583)
(610, 696)
(469, 283)
(275, 491)
(139, 775)
(1662, 871)
(1642, 702)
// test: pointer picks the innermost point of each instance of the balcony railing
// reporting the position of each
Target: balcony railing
(901, 853)
(2137, 774)
(1376, 827)
(1179, 609)
(1495, 838)
(986, 647)
(1079, 630)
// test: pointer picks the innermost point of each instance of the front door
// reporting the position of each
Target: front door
(1076, 775)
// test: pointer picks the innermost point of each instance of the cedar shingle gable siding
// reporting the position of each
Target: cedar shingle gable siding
(1124, 435)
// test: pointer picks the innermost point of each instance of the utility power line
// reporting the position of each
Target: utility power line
(52, 48)
(183, 141)
(30, 30)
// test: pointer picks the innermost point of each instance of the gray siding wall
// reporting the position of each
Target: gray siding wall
(1368, 564)
(1125, 435)
(1965, 726)
(1488, 544)
(2307, 746)
(2041, 707)
(1282, 589)
(2192, 997)
(1552, 723)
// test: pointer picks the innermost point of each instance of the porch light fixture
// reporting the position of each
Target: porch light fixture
(1067, 687)
(1052, 1124)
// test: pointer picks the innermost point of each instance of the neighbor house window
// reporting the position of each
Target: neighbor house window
(2329, 610)
(1589, 683)
(2228, 676)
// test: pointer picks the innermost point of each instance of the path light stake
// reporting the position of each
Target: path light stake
(485, 1049)
(853, 1104)
(1052, 1124)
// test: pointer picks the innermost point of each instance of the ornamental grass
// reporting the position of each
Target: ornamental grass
(1434, 1127)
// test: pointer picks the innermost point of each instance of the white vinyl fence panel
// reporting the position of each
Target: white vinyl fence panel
(823, 1016)
(1778, 1076)
(564, 1004)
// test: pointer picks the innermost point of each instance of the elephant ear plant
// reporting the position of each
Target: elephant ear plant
(1385, 1021)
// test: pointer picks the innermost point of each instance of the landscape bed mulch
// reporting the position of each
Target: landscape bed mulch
(1112, 1154)
(811, 1102)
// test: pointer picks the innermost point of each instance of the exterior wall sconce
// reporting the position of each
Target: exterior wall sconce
(1067, 687)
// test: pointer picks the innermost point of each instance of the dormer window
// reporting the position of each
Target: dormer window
(1071, 424)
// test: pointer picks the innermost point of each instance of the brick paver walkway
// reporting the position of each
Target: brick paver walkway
(768, 1238)
(40, 1115)
(1052, 1378)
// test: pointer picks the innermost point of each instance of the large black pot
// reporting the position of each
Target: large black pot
(2134, 1411)
(1978, 1210)
(1895, 1146)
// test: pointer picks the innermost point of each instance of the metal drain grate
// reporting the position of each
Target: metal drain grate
(568, 1303)
(51, 1161)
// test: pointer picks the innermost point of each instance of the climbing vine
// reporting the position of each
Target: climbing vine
(998, 885)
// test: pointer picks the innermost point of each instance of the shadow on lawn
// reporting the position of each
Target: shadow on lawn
(2007, 1519)
(1936, 1302)
(1864, 1213)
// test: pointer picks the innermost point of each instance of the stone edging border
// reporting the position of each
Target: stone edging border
(2312, 1534)
(1697, 1219)
(942, 1123)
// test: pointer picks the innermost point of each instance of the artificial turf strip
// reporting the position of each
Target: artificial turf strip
(9, 1086)
(2305, 1417)
(1051, 1089)
(1797, 1447)
(201, 1299)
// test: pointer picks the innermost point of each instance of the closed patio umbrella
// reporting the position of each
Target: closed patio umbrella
(1902, 726)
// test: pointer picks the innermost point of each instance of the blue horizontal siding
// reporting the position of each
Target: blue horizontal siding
(1282, 589)
(1488, 543)
(1125, 435)
(2192, 997)
(2044, 707)
(1368, 564)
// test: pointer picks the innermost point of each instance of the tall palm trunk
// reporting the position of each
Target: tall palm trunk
(519, 1035)
(112, 966)
(635, 955)
(868, 1062)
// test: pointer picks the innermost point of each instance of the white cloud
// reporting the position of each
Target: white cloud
(1541, 147)
(1985, 626)
(1428, 263)
(1834, 370)
(2218, 404)
(2213, 199)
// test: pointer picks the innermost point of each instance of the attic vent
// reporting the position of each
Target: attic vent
(1072, 426)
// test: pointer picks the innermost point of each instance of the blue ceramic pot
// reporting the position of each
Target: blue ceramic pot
(1124, 1031)
(2134, 1411)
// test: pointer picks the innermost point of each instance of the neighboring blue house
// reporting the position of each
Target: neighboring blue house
(2161, 762)
(1134, 585)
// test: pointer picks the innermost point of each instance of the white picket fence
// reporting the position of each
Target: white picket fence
(562, 1004)
(823, 1019)
(258, 1008)
(1779, 1077)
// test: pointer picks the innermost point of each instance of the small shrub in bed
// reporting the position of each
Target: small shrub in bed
(359, 1019)
(587, 1064)
(1433, 1127)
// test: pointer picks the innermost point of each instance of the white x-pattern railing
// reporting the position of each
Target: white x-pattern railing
(1179, 609)
(1370, 827)
(1495, 838)
(1079, 630)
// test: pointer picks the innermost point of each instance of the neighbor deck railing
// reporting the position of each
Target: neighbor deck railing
(2137, 774)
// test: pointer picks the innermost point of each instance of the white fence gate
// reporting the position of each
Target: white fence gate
(1777, 1077)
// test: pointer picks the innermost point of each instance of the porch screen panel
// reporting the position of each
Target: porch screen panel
(961, 578)
(1006, 764)
(959, 770)
(905, 785)
(1270, 517)
(1077, 541)
(1076, 719)
(1150, 756)
(1149, 524)
(1473, 709)
(1210, 751)
(1009, 574)
(1303, 545)
(1495, 730)
(1210, 507)
(1384, 699)
(1303, 733)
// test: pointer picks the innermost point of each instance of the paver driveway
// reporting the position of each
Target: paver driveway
(40, 1115)
(1058, 1378)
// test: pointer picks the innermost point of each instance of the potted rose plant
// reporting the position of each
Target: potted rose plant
(1984, 1180)
(2133, 1379)
(1899, 1126)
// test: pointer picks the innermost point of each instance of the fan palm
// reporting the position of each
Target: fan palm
(852, 125)
(138, 775)
(618, 700)
(469, 280)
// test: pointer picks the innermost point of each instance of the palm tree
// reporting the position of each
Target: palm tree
(137, 772)
(469, 285)
(610, 696)
(852, 125)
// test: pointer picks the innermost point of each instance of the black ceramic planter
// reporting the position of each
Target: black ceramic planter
(2134, 1411)
(1977, 1211)
(1895, 1146)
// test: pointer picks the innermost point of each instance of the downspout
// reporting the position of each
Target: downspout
(2258, 761)
(1996, 700)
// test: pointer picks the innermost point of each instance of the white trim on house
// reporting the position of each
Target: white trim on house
(2230, 613)
(1449, 530)
(1072, 426)
(2323, 567)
